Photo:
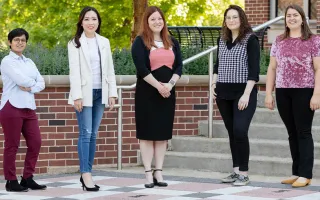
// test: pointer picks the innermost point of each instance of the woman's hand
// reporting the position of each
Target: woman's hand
(243, 101)
(269, 101)
(315, 102)
(213, 86)
(168, 86)
(163, 91)
(112, 102)
(26, 89)
(77, 104)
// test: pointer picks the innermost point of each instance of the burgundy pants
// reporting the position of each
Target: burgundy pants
(15, 121)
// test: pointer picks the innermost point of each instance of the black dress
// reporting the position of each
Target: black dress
(154, 114)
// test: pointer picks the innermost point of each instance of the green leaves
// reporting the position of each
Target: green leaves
(53, 22)
(54, 61)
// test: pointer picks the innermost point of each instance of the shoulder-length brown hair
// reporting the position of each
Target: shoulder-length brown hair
(305, 30)
(244, 25)
(146, 32)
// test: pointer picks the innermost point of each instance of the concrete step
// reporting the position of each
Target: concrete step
(264, 115)
(223, 163)
(256, 131)
(260, 100)
(258, 147)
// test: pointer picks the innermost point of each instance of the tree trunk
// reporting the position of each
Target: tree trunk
(139, 6)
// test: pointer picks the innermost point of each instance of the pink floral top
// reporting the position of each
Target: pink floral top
(294, 61)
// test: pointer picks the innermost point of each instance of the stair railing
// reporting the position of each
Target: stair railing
(209, 52)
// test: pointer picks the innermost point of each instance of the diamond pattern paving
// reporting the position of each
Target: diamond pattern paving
(121, 186)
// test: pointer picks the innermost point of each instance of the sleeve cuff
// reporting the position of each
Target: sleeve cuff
(253, 79)
(145, 74)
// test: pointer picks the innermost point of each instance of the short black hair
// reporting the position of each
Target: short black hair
(17, 33)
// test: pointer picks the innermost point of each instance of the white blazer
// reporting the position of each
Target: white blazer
(80, 73)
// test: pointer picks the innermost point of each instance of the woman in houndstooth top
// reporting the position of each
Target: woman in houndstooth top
(234, 87)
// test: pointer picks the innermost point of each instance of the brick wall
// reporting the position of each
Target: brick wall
(257, 11)
(59, 129)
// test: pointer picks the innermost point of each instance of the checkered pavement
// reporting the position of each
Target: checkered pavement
(119, 186)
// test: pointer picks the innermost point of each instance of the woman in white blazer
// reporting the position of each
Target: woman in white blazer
(92, 86)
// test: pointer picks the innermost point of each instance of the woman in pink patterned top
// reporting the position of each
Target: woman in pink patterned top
(294, 69)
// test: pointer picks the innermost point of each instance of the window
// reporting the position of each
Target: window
(278, 7)
(313, 9)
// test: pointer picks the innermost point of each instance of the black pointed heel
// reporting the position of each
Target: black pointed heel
(94, 189)
(81, 181)
(149, 185)
(156, 182)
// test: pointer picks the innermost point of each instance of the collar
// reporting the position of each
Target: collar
(17, 57)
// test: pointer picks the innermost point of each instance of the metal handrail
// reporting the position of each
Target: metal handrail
(186, 61)
(210, 52)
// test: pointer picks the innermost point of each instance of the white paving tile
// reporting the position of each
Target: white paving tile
(234, 197)
(76, 185)
(169, 183)
(23, 197)
(180, 198)
(95, 178)
(98, 178)
(79, 185)
(90, 195)
(232, 190)
(40, 182)
(163, 192)
(314, 196)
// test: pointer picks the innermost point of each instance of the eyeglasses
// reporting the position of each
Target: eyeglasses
(17, 40)
(232, 18)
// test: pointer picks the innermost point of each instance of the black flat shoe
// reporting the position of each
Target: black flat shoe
(156, 182)
(149, 185)
(14, 186)
(94, 189)
(81, 181)
(30, 183)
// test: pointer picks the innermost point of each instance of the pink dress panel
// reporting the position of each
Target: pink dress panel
(160, 57)
(294, 61)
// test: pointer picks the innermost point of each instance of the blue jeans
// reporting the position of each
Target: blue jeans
(89, 120)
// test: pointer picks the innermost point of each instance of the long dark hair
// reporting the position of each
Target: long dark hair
(244, 25)
(305, 30)
(146, 32)
(79, 24)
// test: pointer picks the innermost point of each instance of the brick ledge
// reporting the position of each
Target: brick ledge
(186, 80)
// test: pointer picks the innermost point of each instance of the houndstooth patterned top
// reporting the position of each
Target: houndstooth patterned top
(233, 63)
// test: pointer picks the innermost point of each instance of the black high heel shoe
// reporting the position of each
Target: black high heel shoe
(81, 181)
(156, 182)
(94, 189)
(149, 185)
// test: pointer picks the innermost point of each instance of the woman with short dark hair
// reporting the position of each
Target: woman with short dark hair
(21, 80)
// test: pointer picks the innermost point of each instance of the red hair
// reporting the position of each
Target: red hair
(147, 34)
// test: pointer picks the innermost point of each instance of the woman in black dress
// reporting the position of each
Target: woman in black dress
(157, 58)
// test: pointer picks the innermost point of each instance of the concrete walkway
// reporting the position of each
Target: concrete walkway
(183, 185)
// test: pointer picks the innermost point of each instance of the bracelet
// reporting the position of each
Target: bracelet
(172, 82)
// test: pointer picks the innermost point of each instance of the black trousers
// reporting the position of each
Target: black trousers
(294, 109)
(237, 123)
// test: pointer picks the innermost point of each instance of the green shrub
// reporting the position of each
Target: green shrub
(264, 61)
(54, 61)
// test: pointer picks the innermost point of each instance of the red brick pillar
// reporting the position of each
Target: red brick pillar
(257, 11)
